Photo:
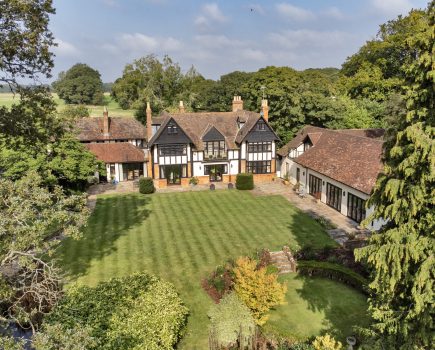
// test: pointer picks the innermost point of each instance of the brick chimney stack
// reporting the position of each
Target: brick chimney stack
(149, 122)
(106, 122)
(181, 108)
(237, 104)
(265, 109)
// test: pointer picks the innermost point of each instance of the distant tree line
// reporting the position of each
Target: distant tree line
(361, 94)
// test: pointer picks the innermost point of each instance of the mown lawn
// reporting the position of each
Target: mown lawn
(7, 99)
(183, 236)
(318, 305)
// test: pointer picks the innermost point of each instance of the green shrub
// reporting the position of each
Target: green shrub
(231, 323)
(146, 185)
(257, 288)
(56, 336)
(333, 271)
(245, 181)
(134, 312)
(193, 181)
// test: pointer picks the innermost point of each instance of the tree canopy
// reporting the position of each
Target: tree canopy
(25, 54)
(80, 84)
(32, 220)
(402, 252)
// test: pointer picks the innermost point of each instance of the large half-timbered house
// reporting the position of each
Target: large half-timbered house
(212, 146)
(174, 147)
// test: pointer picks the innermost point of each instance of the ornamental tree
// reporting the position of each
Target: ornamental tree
(402, 252)
(257, 288)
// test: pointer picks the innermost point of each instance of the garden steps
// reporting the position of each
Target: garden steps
(283, 262)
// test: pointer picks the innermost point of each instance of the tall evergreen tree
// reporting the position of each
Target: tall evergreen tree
(402, 252)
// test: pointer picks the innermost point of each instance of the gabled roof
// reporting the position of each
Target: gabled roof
(298, 139)
(120, 152)
(212, 134)
(196, 125)
(343, 156)
(91, 129)
(162, 128)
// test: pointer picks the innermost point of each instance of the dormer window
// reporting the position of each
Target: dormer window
(240, 123)
(261, 126)
(172, 129)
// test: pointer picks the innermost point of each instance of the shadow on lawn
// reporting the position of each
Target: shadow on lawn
(308, 232)
(342, 308)
(75, 255)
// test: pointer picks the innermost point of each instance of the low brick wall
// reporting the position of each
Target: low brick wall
(261, 178)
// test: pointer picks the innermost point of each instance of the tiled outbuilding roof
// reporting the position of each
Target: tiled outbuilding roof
(341, 155)
(91, 129)
(120, 152)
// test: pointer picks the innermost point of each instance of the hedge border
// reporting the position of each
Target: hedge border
(245, 181)
(334, 272)
(146, 185)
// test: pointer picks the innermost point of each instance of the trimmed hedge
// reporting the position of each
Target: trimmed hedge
(134, 312)
(146, 185)
(333, 271)
(245, 181)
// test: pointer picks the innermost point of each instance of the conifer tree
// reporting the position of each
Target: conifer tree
(402, 253)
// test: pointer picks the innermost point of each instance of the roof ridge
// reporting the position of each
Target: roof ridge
(337, 131)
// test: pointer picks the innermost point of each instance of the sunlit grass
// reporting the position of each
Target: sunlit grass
(181, 237)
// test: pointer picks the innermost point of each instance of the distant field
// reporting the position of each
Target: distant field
(7, 99)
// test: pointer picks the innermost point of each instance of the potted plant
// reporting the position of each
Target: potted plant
(193, 181)
(297, 187)
(286, 179)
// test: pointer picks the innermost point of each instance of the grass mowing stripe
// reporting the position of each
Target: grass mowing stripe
(201, 236)
(155, 233)
(181, 237)
(228, 221)
(176, 234)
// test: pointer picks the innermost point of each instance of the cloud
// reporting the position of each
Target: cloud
(311, 39)
(253, 55)
(139, 42)
(210, 13)
(334, 13)
(392, 7)
(218, 42)
(65, 49)
(294, 13)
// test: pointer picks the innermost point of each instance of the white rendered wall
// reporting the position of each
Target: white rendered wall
(304, 179)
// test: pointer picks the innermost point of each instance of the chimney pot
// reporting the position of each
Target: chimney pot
(265, 109)
(237, 104)
(181, 108)
(149, 122)
(105, 122)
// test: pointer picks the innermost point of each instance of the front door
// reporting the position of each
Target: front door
(315, 186)
(298, 175)
(215, 172)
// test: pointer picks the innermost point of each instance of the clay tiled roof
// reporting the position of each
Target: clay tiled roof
(298, 139)
(120, 152)
(343, 156)
(91, 129)
(195, 125)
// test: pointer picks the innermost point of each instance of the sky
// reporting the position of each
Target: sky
(217, 37)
